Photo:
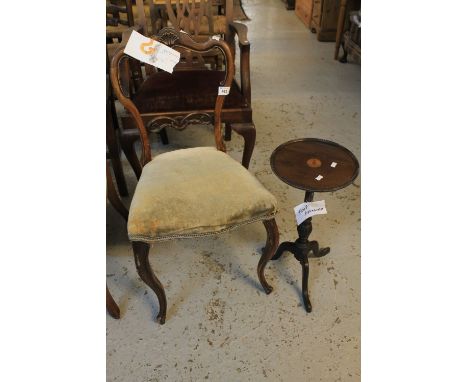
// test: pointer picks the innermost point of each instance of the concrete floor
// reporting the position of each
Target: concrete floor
(220, 325)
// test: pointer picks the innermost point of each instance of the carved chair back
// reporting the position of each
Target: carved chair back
(176, 40)
(199, 18)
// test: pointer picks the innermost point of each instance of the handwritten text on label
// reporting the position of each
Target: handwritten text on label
(308, 209)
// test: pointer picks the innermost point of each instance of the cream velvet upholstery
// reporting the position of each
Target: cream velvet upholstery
(195, 192)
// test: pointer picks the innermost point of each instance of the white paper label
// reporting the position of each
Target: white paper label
(151, 52)
(223, 90)
(308, 209)
(320, 177)
(333, 164)
(215, 37)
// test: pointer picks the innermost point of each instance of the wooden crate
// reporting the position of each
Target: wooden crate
(304, 11)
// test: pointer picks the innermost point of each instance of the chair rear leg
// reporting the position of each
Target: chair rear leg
(119, 175)
(128, 147)
(344, 58)
(227, 132)
(112, 140)
(268, 252)
(141, 252)
(112, 195)
(164, 137)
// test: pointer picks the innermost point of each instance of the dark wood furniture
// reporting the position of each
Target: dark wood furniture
(192, 88)
(143, 227)
(298, 163)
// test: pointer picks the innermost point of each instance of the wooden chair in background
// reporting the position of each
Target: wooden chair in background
(191, 192)
(192, 87)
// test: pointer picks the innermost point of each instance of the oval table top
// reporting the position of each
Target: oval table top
(314, 164)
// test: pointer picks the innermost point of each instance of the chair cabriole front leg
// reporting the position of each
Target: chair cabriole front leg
(141, 252)
(268, 252)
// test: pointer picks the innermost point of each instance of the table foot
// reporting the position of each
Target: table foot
(316, 251)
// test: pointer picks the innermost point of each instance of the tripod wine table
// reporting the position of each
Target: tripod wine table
(312, 165)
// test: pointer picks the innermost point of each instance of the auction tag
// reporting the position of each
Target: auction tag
(215, 37)
(320, 177)
(223, 90)
(309, 209)
(333, 164)
(151, 52)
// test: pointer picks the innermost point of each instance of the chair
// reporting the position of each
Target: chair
(191, 192)
(192, 90)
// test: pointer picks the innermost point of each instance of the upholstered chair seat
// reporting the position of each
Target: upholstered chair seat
(195, 192)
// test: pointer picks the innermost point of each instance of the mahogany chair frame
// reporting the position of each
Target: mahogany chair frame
(175, 39)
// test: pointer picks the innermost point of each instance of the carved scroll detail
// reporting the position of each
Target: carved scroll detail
(179, 122)
(167, 36)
